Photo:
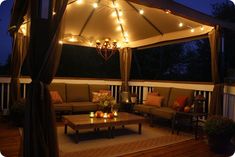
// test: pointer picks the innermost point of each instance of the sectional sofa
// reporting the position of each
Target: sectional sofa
(76, 97)
(166, 110)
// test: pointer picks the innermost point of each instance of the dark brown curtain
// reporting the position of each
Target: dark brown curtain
(125, 66)
(40, 136)
(19, 47)
(216, 105)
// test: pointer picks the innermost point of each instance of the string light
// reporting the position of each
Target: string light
(61, 42)
(192, 30)
(167, 11)
(141, 11)
(202, 28)
(95, 5)
(181, 24)
(79, 1)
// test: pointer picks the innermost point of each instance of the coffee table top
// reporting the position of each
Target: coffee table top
(84, 121)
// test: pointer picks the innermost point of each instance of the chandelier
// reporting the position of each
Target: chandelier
(107, 48)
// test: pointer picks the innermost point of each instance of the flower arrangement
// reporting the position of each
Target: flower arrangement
(106, 103)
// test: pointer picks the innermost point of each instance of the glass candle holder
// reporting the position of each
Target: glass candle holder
(92, 115)
(115, 113)
(105, 115)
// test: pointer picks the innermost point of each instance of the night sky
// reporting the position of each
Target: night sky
(5, 8)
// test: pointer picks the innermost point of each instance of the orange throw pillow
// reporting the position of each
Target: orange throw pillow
(179, 103)
(154, 100)
(55, 97)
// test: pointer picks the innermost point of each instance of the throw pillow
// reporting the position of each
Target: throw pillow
(55, 97)
(95, 97)
(179, 103)
(152, 93)
(154, 100)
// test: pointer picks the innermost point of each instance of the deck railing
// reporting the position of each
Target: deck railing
(140, 88)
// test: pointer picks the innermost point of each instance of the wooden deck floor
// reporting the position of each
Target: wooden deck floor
(10, 145)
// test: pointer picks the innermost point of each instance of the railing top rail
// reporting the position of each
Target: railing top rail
(146, 83)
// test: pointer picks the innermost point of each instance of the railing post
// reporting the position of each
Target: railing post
(145, 93)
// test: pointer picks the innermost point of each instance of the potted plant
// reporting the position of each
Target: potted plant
(219, 131)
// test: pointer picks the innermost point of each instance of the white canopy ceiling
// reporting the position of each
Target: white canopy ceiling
(122, 21)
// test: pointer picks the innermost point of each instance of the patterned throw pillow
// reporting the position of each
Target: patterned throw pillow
(179, 103)
(55, 97)
(154, 100)
(96, 95)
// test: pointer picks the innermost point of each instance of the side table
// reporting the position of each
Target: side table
(180, 118)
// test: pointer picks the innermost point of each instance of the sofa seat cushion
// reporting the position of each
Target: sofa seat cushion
(163, 112)
(84, 106)
(143, 108)
(63, 107)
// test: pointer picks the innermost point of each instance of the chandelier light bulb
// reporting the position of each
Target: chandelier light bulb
(95, 5)
(141, 11)
(126, 40)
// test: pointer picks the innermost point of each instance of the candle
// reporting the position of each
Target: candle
(92, 115)
(115, 113)
(105, 115)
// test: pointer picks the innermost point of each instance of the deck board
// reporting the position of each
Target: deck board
(10, 146)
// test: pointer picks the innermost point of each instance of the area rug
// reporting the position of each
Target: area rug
(126, 141)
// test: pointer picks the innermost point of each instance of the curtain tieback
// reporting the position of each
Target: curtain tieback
(42, 87)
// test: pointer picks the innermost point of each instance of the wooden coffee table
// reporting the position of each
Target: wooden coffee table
(83, 121)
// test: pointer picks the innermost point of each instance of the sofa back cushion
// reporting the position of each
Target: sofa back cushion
(177, 92)
(96, 88)
(77, 92)
(163, 91)
(60, 87)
